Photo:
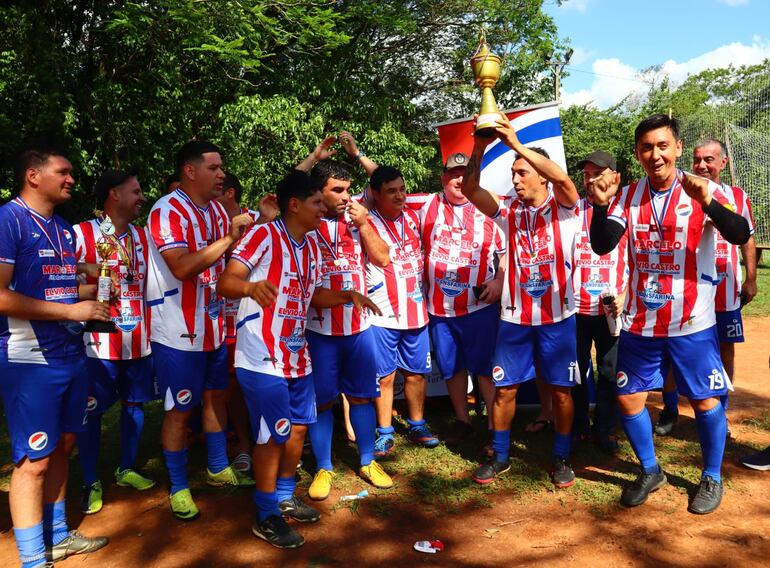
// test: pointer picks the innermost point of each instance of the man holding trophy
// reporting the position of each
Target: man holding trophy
(119, 364)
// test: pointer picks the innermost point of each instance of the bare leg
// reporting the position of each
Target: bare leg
(487, 388)
(346, 413)
(414, 392)
(504, 407)
(25, 496)
(457, 386)
(384, 404)
(173, 432)
(563, 409)
(239, 417)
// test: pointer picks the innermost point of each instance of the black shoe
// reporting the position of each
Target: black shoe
(707, 498)
(562, 474)
(298, 510)
(487, 472)
(759, 461)
(460, 431)
(666, 422)
(75, 543)
(277, 532)
(637, 492)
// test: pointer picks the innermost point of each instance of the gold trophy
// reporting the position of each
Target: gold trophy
(486, 72)
(105, 247)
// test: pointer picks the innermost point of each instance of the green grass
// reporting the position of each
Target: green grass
(760, 305)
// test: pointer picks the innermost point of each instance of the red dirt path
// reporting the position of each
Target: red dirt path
(548, 529)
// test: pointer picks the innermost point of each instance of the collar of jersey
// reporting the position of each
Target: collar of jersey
(26, 207)
(191, 202)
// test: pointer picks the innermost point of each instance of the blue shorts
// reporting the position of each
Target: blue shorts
(275, 403)
(553, 346)
(466, 342)
(343, 364)
(184, 375)
(730, 326)
(130, 381)
(42, 402)
(643, 364)
(405, 349)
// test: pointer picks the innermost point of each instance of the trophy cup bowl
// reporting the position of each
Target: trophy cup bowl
(105, 249)
(486, 72)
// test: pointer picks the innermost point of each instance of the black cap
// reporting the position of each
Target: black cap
(108, 180)
(457, 160)
(601, 159)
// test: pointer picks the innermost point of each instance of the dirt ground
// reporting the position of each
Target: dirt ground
(549, 528)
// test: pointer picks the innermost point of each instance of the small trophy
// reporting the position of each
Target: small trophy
(486, 72)
(105, 248)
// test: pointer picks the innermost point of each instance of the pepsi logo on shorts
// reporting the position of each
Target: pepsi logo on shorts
(283, 426)
(92, 404)
(498, 374)
(622, 380)
(184, 396)
(38, 441)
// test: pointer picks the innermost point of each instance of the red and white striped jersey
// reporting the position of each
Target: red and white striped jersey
(186, 315)
(596, 274)
(130, 312)
(397, 289)
(271, 340)
(729, 272)
(541, 245)
(231, 306)
(460, 243)
(343, 267)
(671, 247)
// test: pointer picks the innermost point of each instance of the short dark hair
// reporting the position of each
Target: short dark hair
(653, 123)
(384, 174)
(108, 180)
(193, 152)
(231, 180)
(295, 184)
(171, 178)
(34, 155)
(326, 169)
(536, 149)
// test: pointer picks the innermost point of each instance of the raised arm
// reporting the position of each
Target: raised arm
(375, 247)
(605, 233)
(734, 228)
(351, 147)
(482, 199)
(320, 152)
(563, 189)
(234, 284)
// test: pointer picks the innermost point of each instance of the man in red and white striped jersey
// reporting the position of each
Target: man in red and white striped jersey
(537, 301)
(733, 292)
(119, 364)
(340, 337)
(190, 233)
(276, 270)
(460, 246)
(401, 332)
(600, 285)
(237, 413)
(668, 322)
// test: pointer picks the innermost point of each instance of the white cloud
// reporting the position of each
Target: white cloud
(581, 55)
(733, 3)
(614, 79)
(581, 5)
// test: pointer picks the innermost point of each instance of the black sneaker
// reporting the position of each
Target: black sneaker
(277, 532)
(75, 543)
(298, 510)
(707, 498)
(487, 472)
(666, 422)
(759, 461)
(460, 431)
(637, 492)
(562, 474)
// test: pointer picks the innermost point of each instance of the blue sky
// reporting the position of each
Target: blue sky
(615, 39)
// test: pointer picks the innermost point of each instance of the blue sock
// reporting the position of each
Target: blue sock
(386, 431)
(176, 462)
(267, 504)
(724, 399)
(31, 545)
(363, 417)
(561, 445)
(55, 527)
(638, 429)
(131, 425)
(501, 443)
(284, 488)
(320, 435)
(216, 451)
(415, 423)
(671, 401)
(712, 430)
(88, 448)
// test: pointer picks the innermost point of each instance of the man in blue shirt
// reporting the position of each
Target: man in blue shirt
(42, 361)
